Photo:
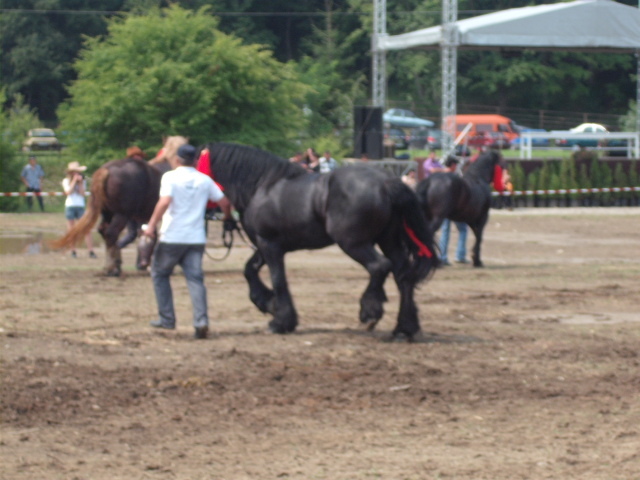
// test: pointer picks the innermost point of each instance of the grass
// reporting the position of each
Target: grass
(552, 154)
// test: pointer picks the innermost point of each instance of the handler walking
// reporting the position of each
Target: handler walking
(184, 193)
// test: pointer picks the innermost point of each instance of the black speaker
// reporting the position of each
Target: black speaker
(373, 145)
(367, 132)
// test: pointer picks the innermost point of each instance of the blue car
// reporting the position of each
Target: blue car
(536, 142)
(399, 117)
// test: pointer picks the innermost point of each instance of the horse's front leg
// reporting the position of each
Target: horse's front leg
(259, 294)
(285, 318)
(373, 298)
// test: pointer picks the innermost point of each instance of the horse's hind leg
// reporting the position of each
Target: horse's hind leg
(408, 324)
(261, 296)
(373, 298)
(110, 232)
(477, 231)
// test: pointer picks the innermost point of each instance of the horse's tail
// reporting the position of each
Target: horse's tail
(83, 226)
(415, 232)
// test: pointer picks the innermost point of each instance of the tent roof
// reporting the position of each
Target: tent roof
(587, 25)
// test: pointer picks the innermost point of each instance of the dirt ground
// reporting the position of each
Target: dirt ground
(528, 368)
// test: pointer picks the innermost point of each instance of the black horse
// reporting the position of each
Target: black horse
(284, 208)
(462, 199)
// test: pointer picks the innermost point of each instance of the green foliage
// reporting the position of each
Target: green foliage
(518, 177)
(15, 120)
(9, 165)
(172, 72)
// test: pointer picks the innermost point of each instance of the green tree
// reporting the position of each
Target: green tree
(10, 166)
(39, 40)
(136, 85)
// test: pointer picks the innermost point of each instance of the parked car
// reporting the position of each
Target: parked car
(419, 138)
(399, 117)
(426, 138)
(586, 142)
(398, 136)
(535, 142)
(41, 139)
(489, 140)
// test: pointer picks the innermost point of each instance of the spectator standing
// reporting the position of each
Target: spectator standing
(297, 158)
(429, 165)
(75, 186)
(410, 179)
(32, 175)
(312, 160)
(451, 165)
(327, 163)
(184, 193)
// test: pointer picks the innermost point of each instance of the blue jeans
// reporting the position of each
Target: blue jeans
(189, 257)
(445, 230)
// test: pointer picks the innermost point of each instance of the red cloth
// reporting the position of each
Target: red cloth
(497, 179)
(204, 166)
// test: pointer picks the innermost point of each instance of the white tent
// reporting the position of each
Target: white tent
(581, 25)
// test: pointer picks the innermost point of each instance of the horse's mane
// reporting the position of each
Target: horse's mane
(482, 167)
(241, 170)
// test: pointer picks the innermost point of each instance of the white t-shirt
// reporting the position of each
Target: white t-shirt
(74, 199)
(190, 190)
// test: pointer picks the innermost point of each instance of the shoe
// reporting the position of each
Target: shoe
(201, 332)
(464, 260)
(159, 324)
(74, 254)
(92, 254)
(444, 263)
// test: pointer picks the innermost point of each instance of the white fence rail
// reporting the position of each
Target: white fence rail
(632, 147)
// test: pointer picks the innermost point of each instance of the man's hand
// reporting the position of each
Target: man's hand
(148, 232)
(229, 225)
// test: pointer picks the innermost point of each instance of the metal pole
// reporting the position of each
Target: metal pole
(449, 59)
(378, 56)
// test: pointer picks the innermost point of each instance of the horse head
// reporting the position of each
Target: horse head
(483, 167)
(169, 152)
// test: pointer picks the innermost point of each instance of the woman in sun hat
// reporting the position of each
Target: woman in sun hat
(75, 186)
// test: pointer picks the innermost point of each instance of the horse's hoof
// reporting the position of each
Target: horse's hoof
(370, 324)
(478, 264)
(403, 337)
(280, 329)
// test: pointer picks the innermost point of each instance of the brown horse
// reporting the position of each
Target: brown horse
(125, 192)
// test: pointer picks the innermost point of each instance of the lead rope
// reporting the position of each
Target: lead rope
(227, 239)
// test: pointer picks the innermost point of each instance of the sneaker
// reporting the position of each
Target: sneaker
(74, 254)
(464, 260)
(201, 332)
(159, 324)
(92, 254)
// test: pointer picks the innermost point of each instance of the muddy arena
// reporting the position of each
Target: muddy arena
(528, 368)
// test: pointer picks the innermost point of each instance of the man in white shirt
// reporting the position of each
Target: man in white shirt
(184, 193)
(327, 163)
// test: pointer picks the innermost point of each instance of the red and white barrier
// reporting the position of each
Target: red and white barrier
(34, 194)
(565, 191)
(495, 194)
